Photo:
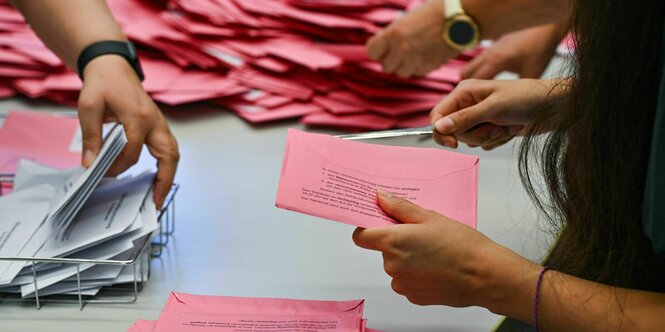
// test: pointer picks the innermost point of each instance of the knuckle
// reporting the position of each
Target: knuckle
(391, 242)
(86, 103)
(394, 33)
(145, 114)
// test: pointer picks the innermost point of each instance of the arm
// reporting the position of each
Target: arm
(526, 52)
(413, 45)
(435, 260)
(111, 89)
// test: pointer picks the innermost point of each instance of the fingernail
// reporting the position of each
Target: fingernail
(88, 158)
(384, 194)
(496, 132)
(444, 126)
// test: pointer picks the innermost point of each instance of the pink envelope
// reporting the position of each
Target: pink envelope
(259, 114)
(335, 179)
(367, 121)
(230, 305)
(41, 137)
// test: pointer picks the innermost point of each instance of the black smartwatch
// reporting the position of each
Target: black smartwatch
(460, 31)
(122, 48)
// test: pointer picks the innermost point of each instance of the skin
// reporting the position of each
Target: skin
(490, 113)
(526, 52)
(435, 260)
(413, 44)
(67, 27)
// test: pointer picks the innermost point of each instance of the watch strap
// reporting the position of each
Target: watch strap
(452, 8)
(123, 48)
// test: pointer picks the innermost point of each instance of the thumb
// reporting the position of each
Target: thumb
(401, 209)
(91, 117)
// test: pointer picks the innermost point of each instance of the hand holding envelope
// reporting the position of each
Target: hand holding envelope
(413, 220)
(431, 258)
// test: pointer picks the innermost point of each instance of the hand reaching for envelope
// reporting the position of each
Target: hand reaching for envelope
(412, 45)
(435, 260)
(126, 102)
(490, 113)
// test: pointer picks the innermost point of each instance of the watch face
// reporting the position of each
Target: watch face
(461, 32)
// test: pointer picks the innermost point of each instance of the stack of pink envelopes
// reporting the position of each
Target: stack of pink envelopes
(186, 312)
(265, 60)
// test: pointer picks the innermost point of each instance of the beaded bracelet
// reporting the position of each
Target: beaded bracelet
(535, 298)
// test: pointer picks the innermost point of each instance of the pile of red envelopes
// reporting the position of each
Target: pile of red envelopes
(186, 312)
(264, 60)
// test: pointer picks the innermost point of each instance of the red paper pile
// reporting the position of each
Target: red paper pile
(263, 59)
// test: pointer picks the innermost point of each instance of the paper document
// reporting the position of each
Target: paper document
(328, 177)
(64, 211)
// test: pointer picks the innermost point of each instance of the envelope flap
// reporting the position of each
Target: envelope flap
(188, 303)
(379, 160)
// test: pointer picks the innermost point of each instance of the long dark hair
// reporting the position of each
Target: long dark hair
(595, 162)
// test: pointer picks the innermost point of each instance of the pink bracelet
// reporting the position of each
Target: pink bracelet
(535, 298)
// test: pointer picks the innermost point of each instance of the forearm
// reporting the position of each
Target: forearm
(500, 17)
(68, 26)
(567, 303)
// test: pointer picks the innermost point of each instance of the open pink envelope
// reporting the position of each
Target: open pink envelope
(328, 177)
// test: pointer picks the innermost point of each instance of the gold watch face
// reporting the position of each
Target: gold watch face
(461, 32)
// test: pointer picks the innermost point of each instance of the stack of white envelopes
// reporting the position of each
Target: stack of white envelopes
(74, 213)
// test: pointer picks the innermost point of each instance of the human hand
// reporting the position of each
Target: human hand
(112, 92)
(526, 52)
(488, 113)
(435, 260)
(413, 44)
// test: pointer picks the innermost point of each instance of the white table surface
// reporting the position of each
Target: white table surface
(230, 239)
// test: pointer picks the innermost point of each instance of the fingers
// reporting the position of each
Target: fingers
(462, 120)
(163, 146)
(489, 136)
(470, 68)
(379, 239)
(406, 69)
(401, 209)
(391, 61)
(91, 117)
(467, 93)
(446, 140)
(377, 46)
(130, 154)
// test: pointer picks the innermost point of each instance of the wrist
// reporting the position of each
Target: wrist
(107, 65)
(507, 283)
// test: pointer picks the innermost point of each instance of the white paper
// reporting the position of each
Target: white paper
(67, 207)
(109, 211)
(23, 212)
